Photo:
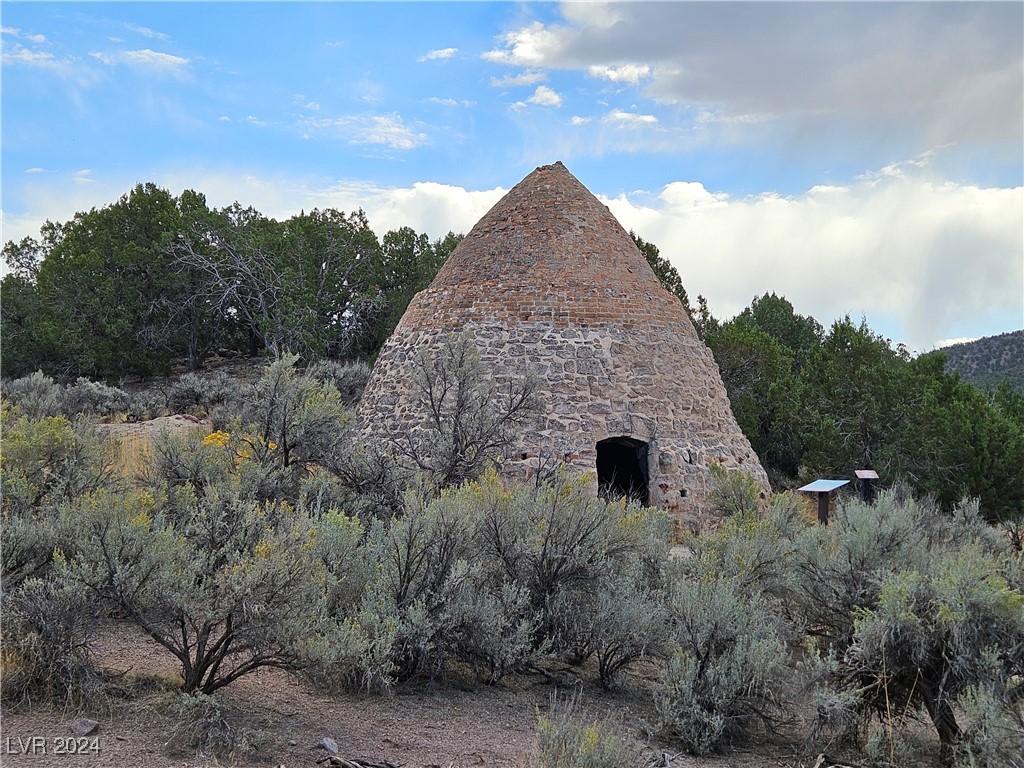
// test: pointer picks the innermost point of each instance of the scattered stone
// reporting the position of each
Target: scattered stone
(83, 726)
(328, 744)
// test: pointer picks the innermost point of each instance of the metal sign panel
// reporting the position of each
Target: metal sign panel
(823, 486)
(866, 474)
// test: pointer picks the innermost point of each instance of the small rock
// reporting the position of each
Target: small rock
(83, 726)
(293, 743)
(329, 744)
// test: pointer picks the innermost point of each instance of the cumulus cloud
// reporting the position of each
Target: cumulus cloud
(545, 97)
(625, 73)
(947, 72)
(533, 45)
(931, 256)
(441, 53)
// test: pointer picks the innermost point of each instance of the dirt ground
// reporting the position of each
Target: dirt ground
(425, 726)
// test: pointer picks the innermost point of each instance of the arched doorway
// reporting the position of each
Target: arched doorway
(622, 469)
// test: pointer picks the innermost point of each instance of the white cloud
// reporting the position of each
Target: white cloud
(253, 120)
(950, 342)
(449, 102)
(545, 97)
(22, 55)
(144, 58)
(83, 176)
(531, 46)
(35, 170)
(441, 53)
(578, 120)
(943, 72)
(530, 77)
(387, 130)
(628, 119)
(935, 255)
(16, 32)
(625, 73)
(146, 32)
(224, 119)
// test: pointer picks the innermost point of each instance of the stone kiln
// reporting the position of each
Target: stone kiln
(549, 281)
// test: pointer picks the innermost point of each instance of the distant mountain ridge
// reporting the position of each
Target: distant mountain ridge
(989, 361)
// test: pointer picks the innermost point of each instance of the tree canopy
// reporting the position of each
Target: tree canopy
(126, 289)
(153, 279)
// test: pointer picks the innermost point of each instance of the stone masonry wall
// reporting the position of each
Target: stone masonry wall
(549, 282)
(597, 383)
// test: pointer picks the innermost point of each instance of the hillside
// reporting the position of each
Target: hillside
(989, 361)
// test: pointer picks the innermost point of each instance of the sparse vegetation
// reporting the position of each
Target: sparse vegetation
(272, 538)
(566, 740)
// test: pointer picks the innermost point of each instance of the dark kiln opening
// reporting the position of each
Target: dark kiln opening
(622, 469)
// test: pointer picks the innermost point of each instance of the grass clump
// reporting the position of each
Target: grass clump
(566, 739)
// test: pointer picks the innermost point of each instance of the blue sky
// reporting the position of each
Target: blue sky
(860, 158)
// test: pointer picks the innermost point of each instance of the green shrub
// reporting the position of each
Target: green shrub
(93, 398)
(492, 577)
(915, 610)
(225, 584)
(756, 552)
(47, 629)
(43, 464)
(38, 396)
(629, 624)
(205, 394)
(565, 547)
(566, 740)
(49, 460)
(495, 628)
(213, 727)
(422, 571)
(838, 568)
(348, 377)
(733, 492)
(191, 459)
(728, 669)
(994, 734)
(289, 425)
(35, 396)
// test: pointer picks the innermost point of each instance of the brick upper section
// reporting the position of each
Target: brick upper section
(548, 250)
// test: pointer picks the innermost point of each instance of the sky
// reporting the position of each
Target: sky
(857, 158)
